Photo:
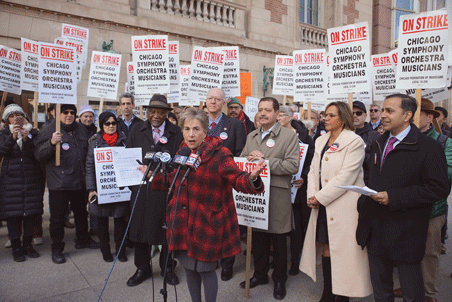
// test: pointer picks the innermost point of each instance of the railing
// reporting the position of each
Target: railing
(202, 10)
(313, 36)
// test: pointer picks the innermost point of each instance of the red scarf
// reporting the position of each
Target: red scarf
(111, 139)
(242, 118)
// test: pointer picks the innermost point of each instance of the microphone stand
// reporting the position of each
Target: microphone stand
(164, 291)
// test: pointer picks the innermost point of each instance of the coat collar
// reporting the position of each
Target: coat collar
(146, 128)
(410, 142)
(274, 132)
(342, 140)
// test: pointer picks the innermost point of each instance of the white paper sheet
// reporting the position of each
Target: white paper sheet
(364, 190)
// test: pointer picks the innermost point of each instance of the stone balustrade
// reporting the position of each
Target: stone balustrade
(313, 36)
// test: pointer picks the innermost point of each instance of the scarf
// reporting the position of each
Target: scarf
(111, 139)
(242, 118)
(20, 141)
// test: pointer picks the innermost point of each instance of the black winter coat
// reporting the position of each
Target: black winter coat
(414, 175)
(116, 209)
(150, 210)
(21, 191)
(70, 175)
(236, 134)
(122, 127)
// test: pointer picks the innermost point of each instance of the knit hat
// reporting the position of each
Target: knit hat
(103, 117)
(12, 109)
(86, 108)
(235, 101)
(68, 107)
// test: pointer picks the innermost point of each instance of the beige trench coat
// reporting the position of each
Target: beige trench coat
(349, 263)
(284, 159)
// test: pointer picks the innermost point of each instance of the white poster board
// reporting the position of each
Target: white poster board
(422, 55)
(309, 75)
(107, 187)
(283, 76)
(303, 154)
(184, 83)
(57, 79)
(252, 209)
(174, 74)
(384, 78)
(130, 80)
(206, 72)
(29, 70)
(126, 166)
(150, 59)
(251, 107)
(79, 53)
(231, 74)
(434, 95)
(103, 81)
(77, 33)
(349, 51)
(10, 62)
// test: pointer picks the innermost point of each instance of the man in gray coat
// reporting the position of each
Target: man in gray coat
(280, 147)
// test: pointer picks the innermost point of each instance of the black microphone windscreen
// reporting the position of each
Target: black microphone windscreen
(185, 151)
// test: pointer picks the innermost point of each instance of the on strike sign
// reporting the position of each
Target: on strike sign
(184, 82)
(310, 74)
(29, 71)
(422, 58)
(206, 72)
(231, 75)
(252, 209)
(10, 61)
(150, 63)
(57, 79)
(283, 79)
(77, 33)
(173, 58)
(349, 58)
(104, 75)
(384, 78)
(106, 183)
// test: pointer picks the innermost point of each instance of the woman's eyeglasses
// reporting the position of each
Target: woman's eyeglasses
(108, 124)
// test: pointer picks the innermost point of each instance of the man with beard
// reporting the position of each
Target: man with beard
(235, 110)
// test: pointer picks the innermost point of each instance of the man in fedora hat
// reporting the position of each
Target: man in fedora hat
(437, 220)
(146, 228)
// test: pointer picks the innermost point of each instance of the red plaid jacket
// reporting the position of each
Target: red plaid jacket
(205, 223)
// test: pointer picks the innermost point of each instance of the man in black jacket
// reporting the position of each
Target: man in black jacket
(127, 119)
(409, 172)
(148, 218)
(66, 182)
(235, 110)
(232, 133)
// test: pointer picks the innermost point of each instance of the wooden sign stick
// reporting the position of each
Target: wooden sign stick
(350, 100)
(141, 111)
(309, 110)
(284, 101)
(57, 129)
(101, 107)
(417, 115)
(35, 110)
(201, 104)
(249, 236)
(2, 105)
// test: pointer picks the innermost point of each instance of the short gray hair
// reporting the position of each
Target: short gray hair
(192, 113)
(287, 110)
(127, 95)
(312, 111)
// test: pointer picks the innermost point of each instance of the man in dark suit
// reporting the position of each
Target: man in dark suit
(233, 134)
(409, 172)
(146, 227)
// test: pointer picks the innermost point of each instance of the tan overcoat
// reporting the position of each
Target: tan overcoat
(349, 263)
(284, 159)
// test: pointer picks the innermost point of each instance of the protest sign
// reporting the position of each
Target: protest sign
(79, 34)
(57, 81)
(283, 76)
(29, 70)
(107, 187)
(251, 107)
(252, 209)
(79, 51)
(184, 82)
(104, 72)
(150, 59)
(449, 19)
(309, 75)
(130, 79)
(126, 166)
(303, 153)
(10, 62)
(206, 72)
(434, 95)
(350, 56)
(422, 55)
(384, 78)
(231, 74)
(173, 59)
(245, 86)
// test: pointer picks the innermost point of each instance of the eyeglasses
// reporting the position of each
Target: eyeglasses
(358, 113)
(108, 124)
(374, 110)
(66, 112)
(234, 107)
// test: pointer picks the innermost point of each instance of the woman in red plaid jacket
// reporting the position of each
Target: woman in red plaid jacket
(202, 222)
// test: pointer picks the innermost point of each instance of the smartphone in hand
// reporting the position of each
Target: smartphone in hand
(19, 120)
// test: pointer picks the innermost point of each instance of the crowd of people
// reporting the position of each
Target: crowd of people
(359, 238)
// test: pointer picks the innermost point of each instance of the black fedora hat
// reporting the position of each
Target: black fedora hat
(159, 101)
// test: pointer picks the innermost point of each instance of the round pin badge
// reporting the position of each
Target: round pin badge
(65, 146)
(163, 140)
(322, 132)
(223, 135)
(30, 136)
(270, 143)
(334, 147)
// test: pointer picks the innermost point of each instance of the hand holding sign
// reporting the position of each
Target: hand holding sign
(261, 165)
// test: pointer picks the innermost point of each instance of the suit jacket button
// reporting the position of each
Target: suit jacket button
(326, 158)
(331, 218)
(326, 180)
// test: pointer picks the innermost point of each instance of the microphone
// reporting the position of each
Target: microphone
(149, 159)
(192, 163)
(163, 158)
(179, 159)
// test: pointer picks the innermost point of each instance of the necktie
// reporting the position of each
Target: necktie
(389, 148)
(156, 135)
(212, 125)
